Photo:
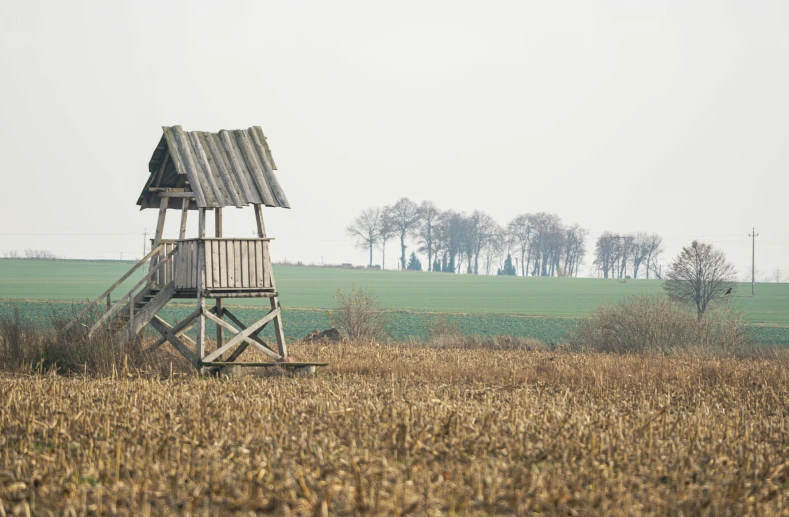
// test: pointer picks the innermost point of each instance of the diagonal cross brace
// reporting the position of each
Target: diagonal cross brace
(179, 329)
(240, 336)
(167, 331)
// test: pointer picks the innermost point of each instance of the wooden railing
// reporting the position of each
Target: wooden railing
(107, 295)
(129, 299)
(229, 264)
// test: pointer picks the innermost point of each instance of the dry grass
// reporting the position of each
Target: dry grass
(396, 430)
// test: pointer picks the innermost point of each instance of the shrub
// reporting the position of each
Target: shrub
(654, 324)
(358, 314)
(445, 334)
(25, 344)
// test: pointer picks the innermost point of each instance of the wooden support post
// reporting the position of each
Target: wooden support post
(259, 219)
(184, 213)
(157, 237)
(220, 309)
(275, 306)
(160, 223)
(200, 352)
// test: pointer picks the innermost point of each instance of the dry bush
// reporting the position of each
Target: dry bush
(20, 342)
(655, 324)
(396, 430)
(443, 333)
(358, 314)
(26, 345)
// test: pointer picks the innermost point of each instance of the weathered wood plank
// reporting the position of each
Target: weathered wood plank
(252, 264)
(209, 266)
(179, 329)
(278, 332)
(262, 154)
(244, 248)
(220, 350)
(259, 279)
(259, 220)
(254, 167)
(264, 141)
(231, 261)
(176, 194)
(184, 213)
(232, 317)
(130, 295)
(165, 330)
(137, 323)
(239, 166)
(243, 335)
(237, 263)
(202, 169)
(223, 168)
(180, 152)
(216, 263)
(200, 350)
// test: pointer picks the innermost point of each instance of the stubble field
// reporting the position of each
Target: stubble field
(406, 430)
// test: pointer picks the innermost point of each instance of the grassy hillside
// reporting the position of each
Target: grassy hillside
(308, 287)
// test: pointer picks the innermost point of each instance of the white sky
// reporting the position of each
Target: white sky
(669, 117)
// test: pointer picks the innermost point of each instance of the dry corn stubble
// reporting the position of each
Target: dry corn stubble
(396, 430)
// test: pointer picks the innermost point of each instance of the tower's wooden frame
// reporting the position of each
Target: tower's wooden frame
(204, 268)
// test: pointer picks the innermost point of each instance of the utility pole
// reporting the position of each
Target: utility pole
(144, 240)
(753, 236)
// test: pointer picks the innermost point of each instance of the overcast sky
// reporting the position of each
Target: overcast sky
(669, 117)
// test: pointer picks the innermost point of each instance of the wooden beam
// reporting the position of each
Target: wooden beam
(162, 165)
(232, 329)
(220, 338)
(160, 223)
(201, 224)
(254, 336)
(278, 332)
(167, 195)
(241, 336)
(259, 220)
(118, 282)
(179, 329)
(184, 213)
(200, 294)
(165, 330)
(130, 294)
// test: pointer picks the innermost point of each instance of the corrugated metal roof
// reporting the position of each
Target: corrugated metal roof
(228, 168)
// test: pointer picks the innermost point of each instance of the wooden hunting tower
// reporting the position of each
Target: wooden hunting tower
(203, 171)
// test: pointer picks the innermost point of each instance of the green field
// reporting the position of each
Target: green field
(485, 305)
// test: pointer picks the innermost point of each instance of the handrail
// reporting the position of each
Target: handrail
(114, 286)
(130, 294)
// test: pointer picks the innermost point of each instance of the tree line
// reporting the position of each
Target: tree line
(628, 255)
(457, 242)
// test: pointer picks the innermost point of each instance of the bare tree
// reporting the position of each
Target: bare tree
(497, 249)
(653, 248)
(403, 217)
(11, 254)
(425, 232)
(40, 254)
(575, 249)
(700, 274)
(385, 232)
(605, 253)
(449, 237)
(520, 233)
(479, 229)
(366, 229)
